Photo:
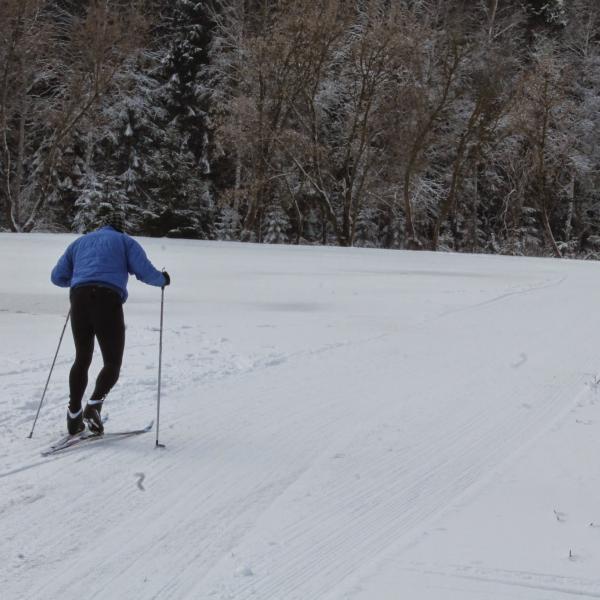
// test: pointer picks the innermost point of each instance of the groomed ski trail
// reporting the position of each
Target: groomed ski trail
(289, 469)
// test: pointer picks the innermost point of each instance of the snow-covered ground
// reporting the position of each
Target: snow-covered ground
(340, 424)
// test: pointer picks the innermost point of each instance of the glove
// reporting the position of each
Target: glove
(167, 279)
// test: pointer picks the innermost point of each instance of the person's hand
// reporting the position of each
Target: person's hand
(167, 279)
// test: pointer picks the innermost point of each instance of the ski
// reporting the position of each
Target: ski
(71, 438)
(71, 441)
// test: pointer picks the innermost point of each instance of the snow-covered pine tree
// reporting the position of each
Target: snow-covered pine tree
(367, 233)
(185, 178)
(70, 171)
(228, 224)
(276, 225)
(126, 160)
(98, 196)
(312, 229)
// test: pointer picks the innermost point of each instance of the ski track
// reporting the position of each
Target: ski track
(261, 498)
(576, 587)
(418, 473)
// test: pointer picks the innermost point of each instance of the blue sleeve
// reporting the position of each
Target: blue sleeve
(139, 265)
(63, 271)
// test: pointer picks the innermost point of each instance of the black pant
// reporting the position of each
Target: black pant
(96, 312)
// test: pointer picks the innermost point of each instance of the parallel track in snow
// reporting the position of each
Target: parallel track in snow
(299, 455)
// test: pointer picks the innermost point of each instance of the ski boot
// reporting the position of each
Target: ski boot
(92, 418)
(75, 423)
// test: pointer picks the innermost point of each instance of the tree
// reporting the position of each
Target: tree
(57, 66)
(334, 141)
(543, 120)
(425, 89)
(487, 97)
(185, 97)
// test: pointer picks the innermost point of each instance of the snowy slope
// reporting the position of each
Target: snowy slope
(340, 424)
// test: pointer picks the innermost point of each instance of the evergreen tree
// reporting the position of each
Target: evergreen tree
(98, 197)
(228, 224)
(185, 179)
(276, 225)
(367, 234)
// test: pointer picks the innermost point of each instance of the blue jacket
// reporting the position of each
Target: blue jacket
(106, 257)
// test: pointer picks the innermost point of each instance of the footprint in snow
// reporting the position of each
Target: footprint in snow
(140, 481)
(560, 516)
(522, 360)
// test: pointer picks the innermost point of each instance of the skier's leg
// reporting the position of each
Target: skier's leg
(83, 336)
(109, 325)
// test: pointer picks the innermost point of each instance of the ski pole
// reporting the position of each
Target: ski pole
(49, 375)
(162, 308)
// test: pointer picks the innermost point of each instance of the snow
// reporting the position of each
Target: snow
(340, 424)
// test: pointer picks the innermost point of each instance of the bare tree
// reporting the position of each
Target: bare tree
(339, 113)
(421, 99)
(57, 67)
(488, 95)
(262, 60)
(542, 117)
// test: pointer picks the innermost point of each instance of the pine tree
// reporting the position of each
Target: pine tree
(185, 179)
(98, 197)
(228, 224)
(367, 234)
(276, 225)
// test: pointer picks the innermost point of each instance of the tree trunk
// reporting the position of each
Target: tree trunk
(548, 230)
(409, 228)
(20, 162)
(475, 210)
(569, 222)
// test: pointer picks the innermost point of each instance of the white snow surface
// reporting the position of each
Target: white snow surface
(340, 424)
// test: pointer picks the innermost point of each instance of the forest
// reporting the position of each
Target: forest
(456, 125)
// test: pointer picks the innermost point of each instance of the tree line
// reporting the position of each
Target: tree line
(468, 125)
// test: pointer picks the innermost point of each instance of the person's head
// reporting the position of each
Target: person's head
(114, 217)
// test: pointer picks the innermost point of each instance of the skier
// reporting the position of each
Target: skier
(96, 267)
